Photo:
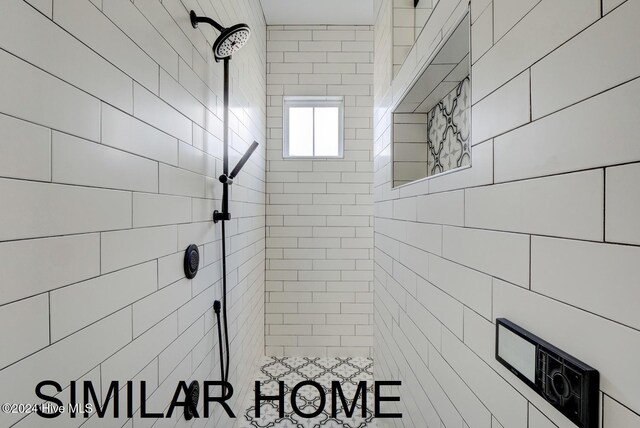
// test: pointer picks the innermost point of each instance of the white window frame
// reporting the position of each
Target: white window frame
(300, 101)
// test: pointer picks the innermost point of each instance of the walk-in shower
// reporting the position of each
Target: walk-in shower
(229, 41)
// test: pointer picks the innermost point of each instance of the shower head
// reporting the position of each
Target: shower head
(230, 39)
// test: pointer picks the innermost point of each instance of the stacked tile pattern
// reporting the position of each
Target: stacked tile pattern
(410, 148)
(404, 31)
(408, 21)
(110, 145)
(319, 299)
(542, 229)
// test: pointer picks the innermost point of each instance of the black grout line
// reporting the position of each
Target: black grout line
(548, 53)
(605, 395)
(601, 396)
(132, 223)
(134, 81)
(475, 186)
(501, 279)
(555, 111)
(50, 155)
(100, 117)
(512, 232)
(493, 316)
(583, 310)
(493, 162)
(99, 259)
(493, 25)
(49, 304)
(117, 270)
(530, 259)
(530, 98)
(604, 205)
(518, 21)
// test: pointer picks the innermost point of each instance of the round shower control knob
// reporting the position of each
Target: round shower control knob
(191, 261)
(560, 384)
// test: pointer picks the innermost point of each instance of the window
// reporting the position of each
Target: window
(313, 127)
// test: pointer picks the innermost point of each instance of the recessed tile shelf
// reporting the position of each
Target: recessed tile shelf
(432, 122)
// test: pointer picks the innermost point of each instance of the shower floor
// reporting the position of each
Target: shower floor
(323, 370)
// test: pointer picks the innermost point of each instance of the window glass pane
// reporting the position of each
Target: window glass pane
(327, 131)
(301, 131)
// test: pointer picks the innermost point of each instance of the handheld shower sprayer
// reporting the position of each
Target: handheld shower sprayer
(229, 41)
(252, 148)
(227, 180)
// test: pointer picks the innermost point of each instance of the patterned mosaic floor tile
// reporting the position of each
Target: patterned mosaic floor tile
(322, 370)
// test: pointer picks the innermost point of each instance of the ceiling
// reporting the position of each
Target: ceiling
(317, 12)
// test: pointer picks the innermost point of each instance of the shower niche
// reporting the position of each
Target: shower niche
(432, 122)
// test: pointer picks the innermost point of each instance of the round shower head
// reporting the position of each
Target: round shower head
(231, 40)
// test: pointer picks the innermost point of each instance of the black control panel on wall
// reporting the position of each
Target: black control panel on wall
(570, 385)
(191, 261)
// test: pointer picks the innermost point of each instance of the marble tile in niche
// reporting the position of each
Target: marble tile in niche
(448, 129)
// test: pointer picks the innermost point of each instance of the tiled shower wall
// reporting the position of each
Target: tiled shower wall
(110, 142)
(408, 21)
(319, 298)
(411, 147)
(542, 229)
(404, 31)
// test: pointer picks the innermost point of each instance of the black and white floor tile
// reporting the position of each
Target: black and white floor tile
(348, 371)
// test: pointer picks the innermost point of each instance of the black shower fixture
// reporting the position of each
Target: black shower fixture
(193, 395)
(227, 181)
(228, 42)
(230, 39)
(191, 261)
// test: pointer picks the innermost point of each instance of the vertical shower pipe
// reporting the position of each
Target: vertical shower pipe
(225, 211)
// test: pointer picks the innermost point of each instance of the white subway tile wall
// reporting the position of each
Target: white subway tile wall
(404, 31)
(542, 229)
(319, 290)
(110, 145)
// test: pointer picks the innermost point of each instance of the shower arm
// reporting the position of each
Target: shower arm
(195, 19)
